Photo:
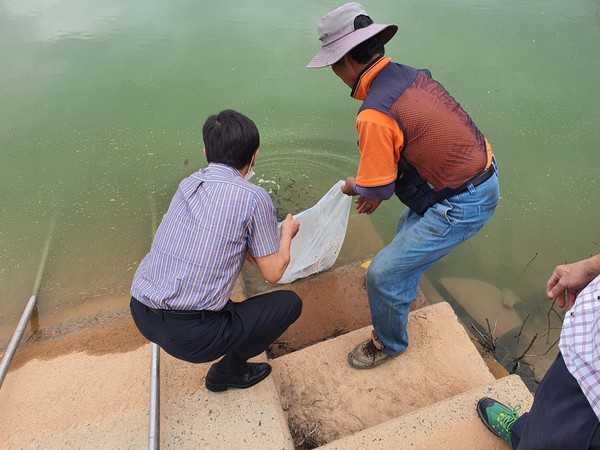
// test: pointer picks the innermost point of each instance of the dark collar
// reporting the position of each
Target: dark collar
(367, 67)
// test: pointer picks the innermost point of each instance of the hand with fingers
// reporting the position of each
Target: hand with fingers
(568, 280)
(290, 226)
(366, 205)
(348, 187)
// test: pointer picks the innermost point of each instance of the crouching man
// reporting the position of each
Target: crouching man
(180, 292)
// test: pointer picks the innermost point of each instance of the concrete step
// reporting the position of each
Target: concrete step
(98, 399)
(193, 417)
(334, 302)
(451, 424)
(325, 399)
(89, 389)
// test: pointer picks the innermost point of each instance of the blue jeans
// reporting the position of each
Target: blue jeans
(394, 274)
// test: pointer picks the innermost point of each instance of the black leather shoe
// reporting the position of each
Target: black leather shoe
(218, 382)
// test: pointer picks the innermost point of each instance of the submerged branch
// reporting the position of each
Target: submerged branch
(518, 336)
(526, 266)
(550, 311)
(546, 352)
(518, 360)
(488, 345)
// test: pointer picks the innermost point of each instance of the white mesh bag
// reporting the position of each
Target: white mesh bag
(322, 231)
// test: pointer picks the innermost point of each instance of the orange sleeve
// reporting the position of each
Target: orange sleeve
(490, 154)
(380, 141)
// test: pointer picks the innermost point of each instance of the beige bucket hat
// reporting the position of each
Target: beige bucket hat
(338, 36)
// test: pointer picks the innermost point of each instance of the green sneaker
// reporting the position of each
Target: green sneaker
(498, 418)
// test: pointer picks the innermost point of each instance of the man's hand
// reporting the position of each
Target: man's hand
(289, 227)
(348, 188)
(568, 280)
(366, 205)
(273, 266)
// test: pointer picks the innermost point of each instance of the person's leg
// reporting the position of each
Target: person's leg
(560, 417)
(245, 329)
(517, 429)
(196, 341)
(395, 272)
(239, 331)
(263, 319)
(595, 441)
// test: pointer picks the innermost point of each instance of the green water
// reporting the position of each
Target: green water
(102, 103)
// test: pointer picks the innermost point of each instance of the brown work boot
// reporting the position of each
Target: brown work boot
(368, 354)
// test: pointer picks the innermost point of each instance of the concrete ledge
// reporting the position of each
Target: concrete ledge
(95, 400)
(450, 424)
(334, 302)
(193, 417)
(326, 398)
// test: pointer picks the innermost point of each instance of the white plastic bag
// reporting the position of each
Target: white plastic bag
(322, 231)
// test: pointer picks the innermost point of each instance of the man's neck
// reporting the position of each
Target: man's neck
(364, 68)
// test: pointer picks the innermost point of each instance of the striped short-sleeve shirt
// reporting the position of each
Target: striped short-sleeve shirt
(580, 342)
(200, 246)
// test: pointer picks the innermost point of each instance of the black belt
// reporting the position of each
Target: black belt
(481, 178)
(182, 315)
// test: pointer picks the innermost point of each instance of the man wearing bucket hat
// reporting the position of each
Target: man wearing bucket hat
(415, 141)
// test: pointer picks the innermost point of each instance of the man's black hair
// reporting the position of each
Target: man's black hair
(230, 138)
(364, 51)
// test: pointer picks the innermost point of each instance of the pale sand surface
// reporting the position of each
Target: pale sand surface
(80, 378)
(90, 389)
